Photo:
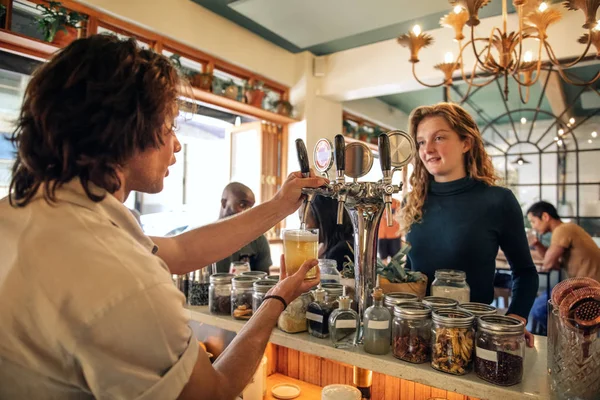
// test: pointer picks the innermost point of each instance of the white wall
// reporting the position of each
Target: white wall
(378, 112)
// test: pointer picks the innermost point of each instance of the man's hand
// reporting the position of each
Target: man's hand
(290, 287)
(529, 338)
(290, 195)
(532, 238)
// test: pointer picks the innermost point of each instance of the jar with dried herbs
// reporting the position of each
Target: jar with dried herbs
(293, 318)
(500, 350)
(452, 341)
(394, 298)
(241, 296)
(219, 293)
(412, 332)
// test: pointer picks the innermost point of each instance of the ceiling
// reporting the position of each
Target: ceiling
(328, 26)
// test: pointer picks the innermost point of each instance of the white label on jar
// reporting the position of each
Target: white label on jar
(345, 323)
(486, 354)
(379, 325)
(314, 317)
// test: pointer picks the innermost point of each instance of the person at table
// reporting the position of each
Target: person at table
(456, 217)
(88, 309)
(569, 242)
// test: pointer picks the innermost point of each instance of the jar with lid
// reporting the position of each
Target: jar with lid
(293, 318)
(274, 278)
(412, 332)
(260, 291)
(329, 271)
(219, 293)
(333, 291)
(394, 298)
(451, 284)
(198, 286)
(478, 310)
(436, 303)
(500, 349)
(241, 296)
(452, 341)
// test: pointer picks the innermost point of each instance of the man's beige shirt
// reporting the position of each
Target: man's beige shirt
(582, 255)
(86, 309)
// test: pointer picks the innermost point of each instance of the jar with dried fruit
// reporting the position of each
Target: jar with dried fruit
(452, 341)
(293, 318)
(241, 297)
(412, 332)
(219, 293)
(394, 298)
(500, 350)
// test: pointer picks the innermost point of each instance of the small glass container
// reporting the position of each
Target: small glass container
(219, 293)
(451, 284)
(452, 341)
(255, 274)
(478, 310)
(412, 332)
(377, 326)
(241, 297)
(329, 271)
(293, 318)
(344, 324)
(237, 267)
(437, 303)
(274, 278)
(260, 288)
(333, 291)
(317, 315)
(500, 350)
(394, 298)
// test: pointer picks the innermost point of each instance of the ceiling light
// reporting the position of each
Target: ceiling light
(528, 57)
(590, 141)
(571, 120)
(597, 27)
(594, 134)
(449, 57)
(561, 131)
(556, 138)
(520, 160)
(569, 124)
(543, 6)
(560, 143)
(416, 30)
(523, 120)
(457, 9)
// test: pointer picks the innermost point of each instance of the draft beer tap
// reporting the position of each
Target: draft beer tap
(340, 178)
(385, 161)
(305, 170)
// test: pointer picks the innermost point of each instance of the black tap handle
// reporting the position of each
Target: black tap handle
(302, 157)
(340, 152)
(385, 159)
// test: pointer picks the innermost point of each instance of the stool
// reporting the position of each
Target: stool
(504, 293)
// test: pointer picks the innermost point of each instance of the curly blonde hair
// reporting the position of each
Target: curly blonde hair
(477, 162)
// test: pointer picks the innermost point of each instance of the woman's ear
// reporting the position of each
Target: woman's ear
(467, 144)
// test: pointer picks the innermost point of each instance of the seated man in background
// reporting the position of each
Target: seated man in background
(236, 198)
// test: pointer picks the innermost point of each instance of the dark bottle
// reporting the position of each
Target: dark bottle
(317, 315)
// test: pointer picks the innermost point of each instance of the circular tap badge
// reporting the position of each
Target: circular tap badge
(323, 155)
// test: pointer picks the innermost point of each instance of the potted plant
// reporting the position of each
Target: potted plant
(2, 15)
(57, 24)
(349, 129)
(394, 278)
(283, 107)
(254, 94)
(202, 80)
(231, 90)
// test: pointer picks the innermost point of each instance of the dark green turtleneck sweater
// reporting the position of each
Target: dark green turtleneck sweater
(464, 223)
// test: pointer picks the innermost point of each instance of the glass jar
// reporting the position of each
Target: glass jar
(451, 284)
(260, 289)
(412, 332)
(452, 341)
(198, 287)
(394, 298)
(241, 296)
(293, 318)
(478, 310)
(500, 350)
(329, 271)
(333, 291)
(255, 274)
(237, 267)
(436, 303)
(274, 278)
(219, 293)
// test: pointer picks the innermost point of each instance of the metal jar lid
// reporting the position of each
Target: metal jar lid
(274, 278)
(221, 278)
(451, 274)
(451, 318)
(500, 324)
(478, 309)
(412, 310)
(394, 298)
(439, 302)
(254, 274)
(263, 286)
(243, 282)
(335, 289)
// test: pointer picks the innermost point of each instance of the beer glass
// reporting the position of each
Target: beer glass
(300, 245)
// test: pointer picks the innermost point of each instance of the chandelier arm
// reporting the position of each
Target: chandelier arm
(414, 72)
(537, 71)
(556, 62)
(488, 47)
(471, 80)
(564, 76)
(526, 99)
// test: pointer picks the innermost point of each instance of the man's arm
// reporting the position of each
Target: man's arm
(228, 376)
(552, 257)
(540, 248)
(202, 246)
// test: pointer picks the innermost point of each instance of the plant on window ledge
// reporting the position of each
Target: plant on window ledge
(56, 23)
(2, 15)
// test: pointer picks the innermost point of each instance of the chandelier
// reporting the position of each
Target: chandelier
(501, 55)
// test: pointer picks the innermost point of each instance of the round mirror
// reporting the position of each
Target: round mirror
(402, 148)
(323, 155)
(359, 160)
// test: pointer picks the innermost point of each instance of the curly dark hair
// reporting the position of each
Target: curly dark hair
(87, 111)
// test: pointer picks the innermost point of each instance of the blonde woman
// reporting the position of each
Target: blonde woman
(456, 217)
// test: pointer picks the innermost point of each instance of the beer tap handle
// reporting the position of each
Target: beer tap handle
(385, 160)
(340, 158)
(305, 170)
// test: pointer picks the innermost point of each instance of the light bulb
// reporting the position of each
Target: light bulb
(238, 121)
(597, 27)
(448, 57)
(457, 9)
(561, 131)
(543, 6)
(523, 120)
(590, 141)
(520, 162)
(416, 30)
(571, 121)
(594, 134)
(555, 138)
(560, 143)
(528, 56)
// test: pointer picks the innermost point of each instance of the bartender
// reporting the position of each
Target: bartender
(236, 198)
(456, 217)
